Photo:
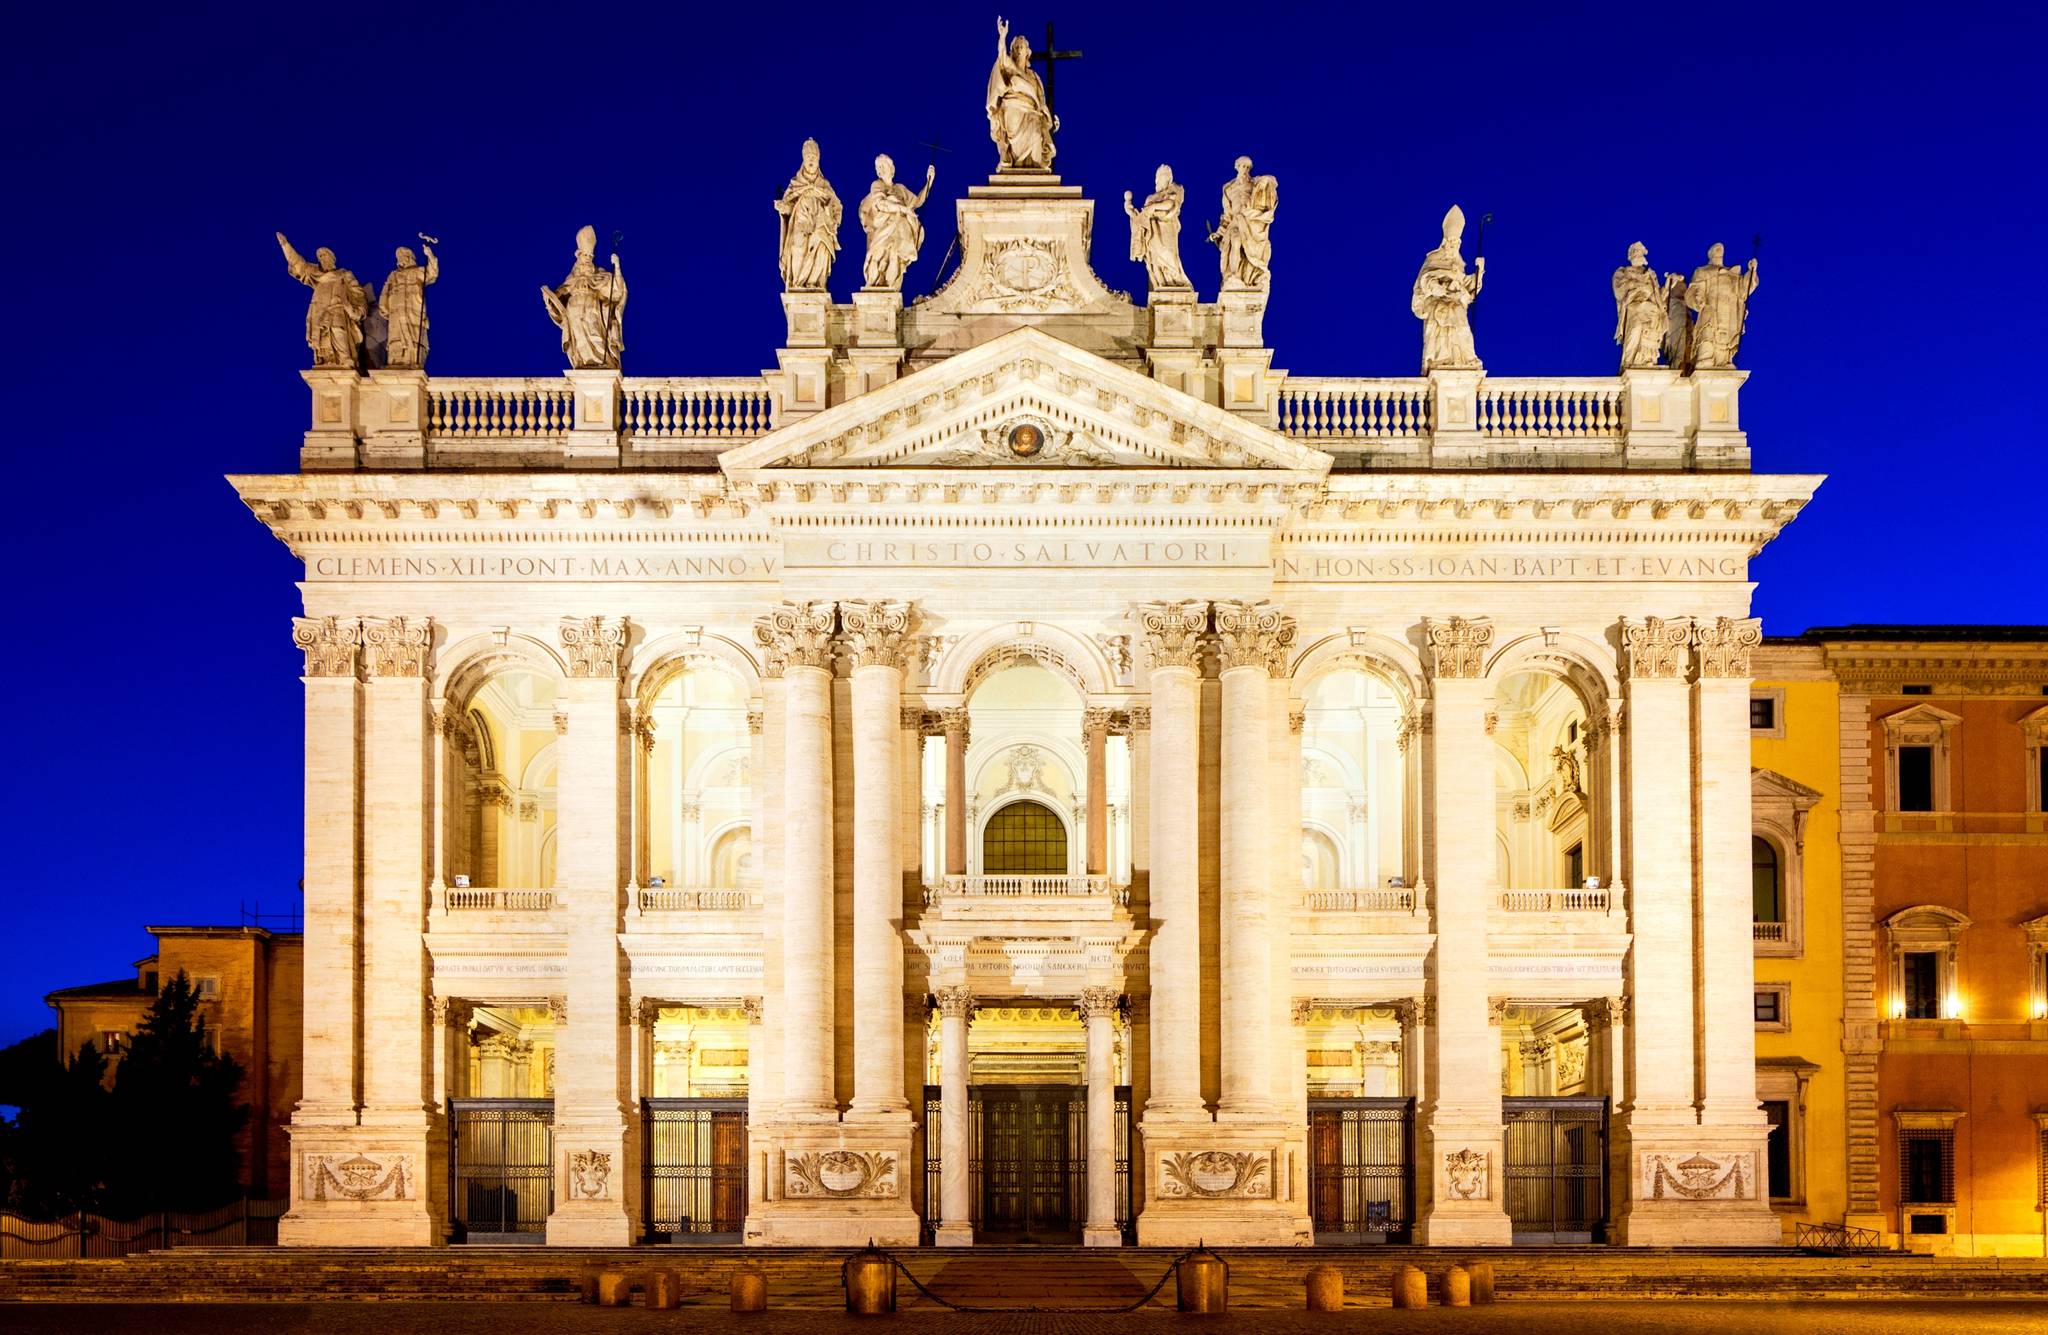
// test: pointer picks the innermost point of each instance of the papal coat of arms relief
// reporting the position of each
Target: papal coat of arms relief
(842, 1175)
(1025, 274)
(1216, 1174)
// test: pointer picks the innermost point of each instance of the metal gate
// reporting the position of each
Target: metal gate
(1556, 1168)
(1360, 1169)
(1040, 1173)
(696, 1169)
(501, 1169)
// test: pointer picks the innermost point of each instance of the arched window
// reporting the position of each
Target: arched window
(1024, 839)
(1767, 897)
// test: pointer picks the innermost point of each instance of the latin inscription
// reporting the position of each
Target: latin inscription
(1409, 568)
(575, 568)
(1024, 553)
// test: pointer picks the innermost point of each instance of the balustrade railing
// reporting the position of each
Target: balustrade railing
(1551, 409)
(1770, 931)
(1359, 901)
(517, 901)
(697, 408)
(663, 899)
(491, 408)
(1329, 407)
(1583, 900)
(1026, 887)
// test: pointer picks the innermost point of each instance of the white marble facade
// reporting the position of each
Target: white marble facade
(629, 693)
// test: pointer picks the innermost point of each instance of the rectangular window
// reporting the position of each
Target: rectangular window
(206, 989)
(2041, 779)
(1575, 865)
(1763, 713)
(1916, 778)
(1927, 1161)
(1778, 1147)
(1920, 971)
(1768, 1007)
(113, 1040)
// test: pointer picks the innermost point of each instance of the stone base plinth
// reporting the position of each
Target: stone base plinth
(1221, 1182)
(366, 1187)
(953, 1235)
(1692, 1188)
(1102, 1237)
(1464, 1198)
(836, 1184)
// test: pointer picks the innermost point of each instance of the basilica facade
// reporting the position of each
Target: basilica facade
(1026, 767)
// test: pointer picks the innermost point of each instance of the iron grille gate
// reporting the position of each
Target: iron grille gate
(1360, 1169)
(1556, 1168)
(501, 1169)
(1036, 1185)
(696, 1169)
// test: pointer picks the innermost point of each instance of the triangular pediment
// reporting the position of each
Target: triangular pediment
(1024, 400)
(1769, 785)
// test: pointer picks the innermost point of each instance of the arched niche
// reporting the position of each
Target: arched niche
(1358, 775)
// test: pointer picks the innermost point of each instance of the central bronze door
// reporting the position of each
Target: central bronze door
(1032, 1148)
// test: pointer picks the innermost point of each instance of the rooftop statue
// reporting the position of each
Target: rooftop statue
(404, 308)
(1641, 309)
(1244, 237)
(590, 307)
(810, 215)
(1442, 300)
(1155, 230)
(1720, 293)
(334, 317)
(1677, 324)
(1019, 118)
(889, 216)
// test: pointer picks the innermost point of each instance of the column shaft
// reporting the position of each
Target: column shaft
(807, 1073)
(1097, 723)
(956, 1227)
(877, 895)
(956, 792)
(395, 856)
(1661, 1040)
(1727, 953)
(333, 774)
(1098, 1012)
(1176, 1068)
(1247, 983)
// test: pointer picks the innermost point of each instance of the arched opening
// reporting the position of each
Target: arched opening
(1354, 781)
(698, 781)
(1767, 887)
(503, 776)
(1024, 838)
(1545, 792)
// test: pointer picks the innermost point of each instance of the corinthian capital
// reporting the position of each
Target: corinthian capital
(1255, 635)
(397, 646)
(1458, 647)
(1099, 1001)
(594, 645)
(329, 643)
(1724, 646)
(797, 635)
(1173, 631)
(1655, 647)
(957, 1002)
(878, 633)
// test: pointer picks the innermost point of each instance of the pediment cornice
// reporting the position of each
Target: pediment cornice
(1099, 416)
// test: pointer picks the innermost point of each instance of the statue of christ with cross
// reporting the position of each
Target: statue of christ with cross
(1020, 117)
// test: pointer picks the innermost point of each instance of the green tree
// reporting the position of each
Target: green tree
(55, 1151)
(175, 1109)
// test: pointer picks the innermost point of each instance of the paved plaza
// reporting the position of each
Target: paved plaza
(1644, 1318)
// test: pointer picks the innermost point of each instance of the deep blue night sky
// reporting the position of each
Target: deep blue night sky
(1891, 160)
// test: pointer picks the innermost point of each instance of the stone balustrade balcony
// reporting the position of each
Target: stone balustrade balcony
(1585, 899)
(459, 899)
(1033, 897)
(1367, 900)
(1775, 933)
(701, 898)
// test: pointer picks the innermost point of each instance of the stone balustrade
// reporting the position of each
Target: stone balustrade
(719, 408)
(664, 899)
(1775, 932)
(494, 408)
(1318, 408)
(1551, 409)
(1586, 899)
(1027, 887)
(1368, 900)
(513, 901)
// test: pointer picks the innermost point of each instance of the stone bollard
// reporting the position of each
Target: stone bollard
(1482, 1282)
(664, 1290)
(1325, 1288)
(613, 1289)
(870, 1279)
(1202, 1283)
(749, 1291)
(1411, 1287)
(1457, 1287)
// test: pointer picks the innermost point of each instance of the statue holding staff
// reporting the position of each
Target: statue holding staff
(889, 216)
(1720, 294)
(590, 307)
(404, 308)
(1442, 299)
(1641, 309)
(1019, 118)
(1155, 230)
(334, 317)
(809, 214)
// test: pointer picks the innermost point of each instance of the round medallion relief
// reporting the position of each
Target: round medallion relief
(1026, 440)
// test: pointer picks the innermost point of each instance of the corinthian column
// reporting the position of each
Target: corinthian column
(1098, 1013)
(954, 723)
(1095, 725)
(877, 636)
(1172, 634)
(333, 780)
(956, 1221)
(1251, 639)
(798, 640)
(1458, 1120)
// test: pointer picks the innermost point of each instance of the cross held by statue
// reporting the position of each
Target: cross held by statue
(1050, 57)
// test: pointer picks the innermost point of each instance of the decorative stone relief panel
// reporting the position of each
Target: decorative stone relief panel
(358, 1177)
(1216, 1175)
(841, 1175)
(1699, 1177)
(590, 1175)
(1468, 1172)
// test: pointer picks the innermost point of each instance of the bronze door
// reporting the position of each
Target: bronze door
(1033, 1159)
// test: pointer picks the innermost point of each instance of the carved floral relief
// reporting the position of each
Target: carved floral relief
(358, 1177)
(842, 1175)
(1216, 1174)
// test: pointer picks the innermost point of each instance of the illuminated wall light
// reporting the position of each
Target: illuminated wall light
(1953, 1009)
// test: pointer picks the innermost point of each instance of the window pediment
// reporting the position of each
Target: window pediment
(1919, 724)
